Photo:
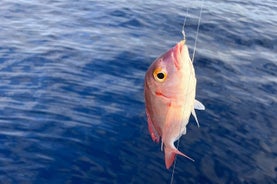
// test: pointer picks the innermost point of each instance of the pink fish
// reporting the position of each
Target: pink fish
(169, 89)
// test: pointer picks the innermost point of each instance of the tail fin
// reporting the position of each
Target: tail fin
(169, 155)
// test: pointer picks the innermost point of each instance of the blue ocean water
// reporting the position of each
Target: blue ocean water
(71, 91)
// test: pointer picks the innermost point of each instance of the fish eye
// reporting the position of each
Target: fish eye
(159, 75)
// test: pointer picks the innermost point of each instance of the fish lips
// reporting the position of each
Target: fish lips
(177, 53)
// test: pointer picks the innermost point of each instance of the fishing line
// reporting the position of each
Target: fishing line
(184, 23)
(196, 38)
(197, 31)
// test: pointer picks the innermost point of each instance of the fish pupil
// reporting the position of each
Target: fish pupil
(160, 75)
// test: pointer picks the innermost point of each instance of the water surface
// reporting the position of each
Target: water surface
(71, 91)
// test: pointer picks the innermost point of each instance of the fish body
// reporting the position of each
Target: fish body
(169, 90)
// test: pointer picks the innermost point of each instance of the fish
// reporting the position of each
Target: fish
(169, 93)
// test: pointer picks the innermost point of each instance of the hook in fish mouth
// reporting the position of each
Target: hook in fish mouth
(177, 54)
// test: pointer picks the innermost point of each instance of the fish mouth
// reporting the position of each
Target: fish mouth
(177, 53)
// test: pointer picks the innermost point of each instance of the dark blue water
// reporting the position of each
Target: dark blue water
(71, 91)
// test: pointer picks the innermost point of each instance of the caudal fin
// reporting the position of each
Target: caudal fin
(170, 153)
